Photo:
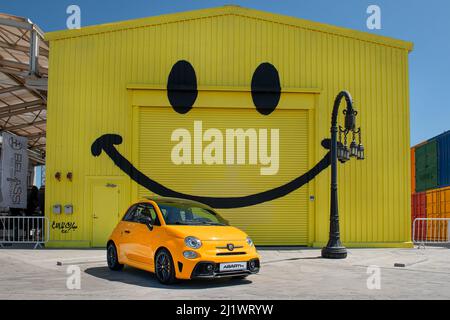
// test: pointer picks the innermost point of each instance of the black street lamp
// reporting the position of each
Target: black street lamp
(340, 151)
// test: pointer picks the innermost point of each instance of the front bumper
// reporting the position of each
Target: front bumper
(213, 252)
(210, 270)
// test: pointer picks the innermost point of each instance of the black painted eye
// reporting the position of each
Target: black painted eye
(266, 88)
(182, 87)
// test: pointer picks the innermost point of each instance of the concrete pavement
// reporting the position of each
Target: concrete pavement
(285, 274)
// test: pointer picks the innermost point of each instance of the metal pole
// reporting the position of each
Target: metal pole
(34, 52)
(334, 248)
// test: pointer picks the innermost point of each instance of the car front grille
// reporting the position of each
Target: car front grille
(225, 247)
(230, 253)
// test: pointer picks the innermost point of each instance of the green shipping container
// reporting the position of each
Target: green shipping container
(426, 166)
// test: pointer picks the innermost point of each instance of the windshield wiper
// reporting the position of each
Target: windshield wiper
(184, 223)
(212, 223)
(196, 223)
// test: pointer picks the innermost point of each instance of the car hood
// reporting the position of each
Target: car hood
(208, 233)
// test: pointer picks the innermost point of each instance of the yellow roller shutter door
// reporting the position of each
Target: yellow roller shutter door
(280, 222)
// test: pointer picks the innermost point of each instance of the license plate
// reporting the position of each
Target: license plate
(233, 266)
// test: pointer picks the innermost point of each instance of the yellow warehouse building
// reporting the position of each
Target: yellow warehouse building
(157, 105)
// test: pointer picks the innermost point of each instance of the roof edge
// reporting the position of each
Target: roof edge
(445, 133)
(230, 10)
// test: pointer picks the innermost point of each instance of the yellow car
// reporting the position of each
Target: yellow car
(180, 239)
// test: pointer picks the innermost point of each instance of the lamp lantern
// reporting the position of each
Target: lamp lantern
(361, 155)
(354, 149)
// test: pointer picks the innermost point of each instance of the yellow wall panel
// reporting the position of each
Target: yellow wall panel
(90, 70)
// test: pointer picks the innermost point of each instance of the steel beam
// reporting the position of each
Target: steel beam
(21, 105)
(37, 146)
(22, 81)
(27, 25)
(37, 83)
(11, 89)
(16, 24)
(24, 125)
(21, 66)
(13, 72)
(19, 112)
(25, 49)
(34, 53)
(35, 136)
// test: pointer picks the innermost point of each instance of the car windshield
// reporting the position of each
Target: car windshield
(188, 214)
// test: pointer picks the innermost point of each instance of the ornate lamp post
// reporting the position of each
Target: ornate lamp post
(340, 151)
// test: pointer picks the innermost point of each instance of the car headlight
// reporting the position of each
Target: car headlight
(192, 242)
(249, 242)
(190, 254)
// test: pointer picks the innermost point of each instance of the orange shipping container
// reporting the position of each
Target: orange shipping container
(438, 206)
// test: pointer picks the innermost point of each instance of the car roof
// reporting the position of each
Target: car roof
(166, 200)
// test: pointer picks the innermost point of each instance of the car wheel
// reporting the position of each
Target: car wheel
(164, 267)
(112, 259)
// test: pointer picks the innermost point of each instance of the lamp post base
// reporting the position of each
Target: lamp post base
(334, 252)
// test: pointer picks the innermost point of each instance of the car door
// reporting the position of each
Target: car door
(144, 238)
(124, 228)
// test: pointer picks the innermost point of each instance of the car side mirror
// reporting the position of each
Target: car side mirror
(147, 221)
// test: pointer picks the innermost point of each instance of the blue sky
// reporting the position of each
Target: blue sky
(426, 23)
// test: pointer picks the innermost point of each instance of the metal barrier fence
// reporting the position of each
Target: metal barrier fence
(15, 230)
(431, 230)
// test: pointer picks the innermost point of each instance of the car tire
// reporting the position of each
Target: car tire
(112, 258)
(164, 267)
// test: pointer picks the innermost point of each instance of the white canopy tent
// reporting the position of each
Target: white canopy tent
(23, 82)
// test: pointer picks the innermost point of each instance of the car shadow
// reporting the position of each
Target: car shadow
(137, 277)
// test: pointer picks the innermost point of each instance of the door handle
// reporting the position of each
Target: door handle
(94, 216)
(127, 231)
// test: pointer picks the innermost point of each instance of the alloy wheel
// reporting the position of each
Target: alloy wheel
(112, 259)
(111, 256)
(163, 267)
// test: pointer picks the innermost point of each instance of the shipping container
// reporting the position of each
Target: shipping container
(419, 210)
(114, 79)
(433, 227)
(438, 207)
(426, 163)
(413, 170)
(444, 202)
(443, 143)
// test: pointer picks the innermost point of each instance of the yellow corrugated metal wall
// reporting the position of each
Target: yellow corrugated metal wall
(282, 221)
(90, 70)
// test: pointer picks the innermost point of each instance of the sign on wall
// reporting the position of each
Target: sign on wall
(14, 171)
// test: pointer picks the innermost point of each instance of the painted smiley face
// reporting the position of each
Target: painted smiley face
(182, 93)
(182, 87)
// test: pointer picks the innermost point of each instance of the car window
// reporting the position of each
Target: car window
(129, 214)
(147, 210)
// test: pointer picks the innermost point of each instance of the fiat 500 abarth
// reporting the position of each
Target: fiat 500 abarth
(180, 239)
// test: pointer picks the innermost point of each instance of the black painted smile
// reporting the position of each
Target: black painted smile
(182, 93)
(107, 143)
